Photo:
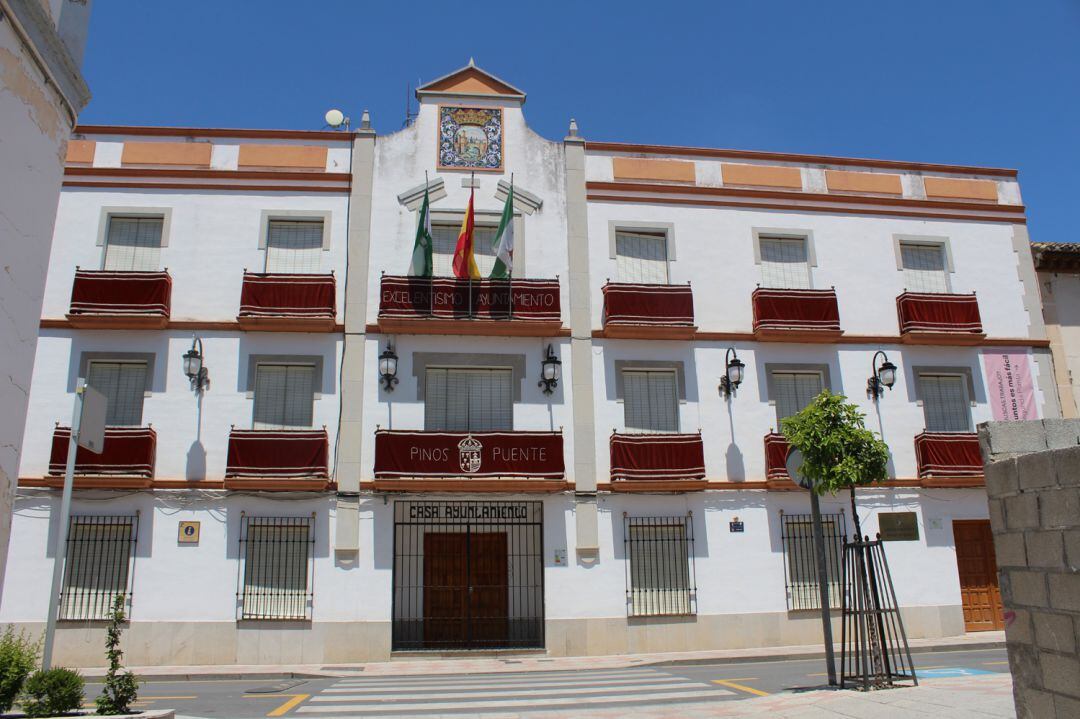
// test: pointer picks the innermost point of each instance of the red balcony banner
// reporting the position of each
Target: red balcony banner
(285, 453)
(641, 304)
(948, 454)
(280, 295)
(776, 453)
(657, 456)
(127, 452)
(405, 453)
(925, 312)
(776, 309)
(450, 298)
(121, 293)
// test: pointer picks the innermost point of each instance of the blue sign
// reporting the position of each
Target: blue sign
(735, 526)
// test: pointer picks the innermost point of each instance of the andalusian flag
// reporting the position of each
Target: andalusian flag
(464, 260)
(504, 240)
(421, 254)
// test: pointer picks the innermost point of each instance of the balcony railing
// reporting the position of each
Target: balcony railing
(776, 453)
(803, 313)
(515, 302)
(288, 302)
(120, 299)
(632, 309)
(126, 452)
(277, 459)
(932, 317)
(647, 459)
(948, 454)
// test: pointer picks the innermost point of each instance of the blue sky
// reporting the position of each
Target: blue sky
(982, 82)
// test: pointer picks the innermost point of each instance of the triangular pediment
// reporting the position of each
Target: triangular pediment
(470, 81)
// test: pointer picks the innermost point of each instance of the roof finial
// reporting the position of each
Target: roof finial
(472, 63)
(365, 120)
(573, 132)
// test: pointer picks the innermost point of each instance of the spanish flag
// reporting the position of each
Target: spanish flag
(464, 260)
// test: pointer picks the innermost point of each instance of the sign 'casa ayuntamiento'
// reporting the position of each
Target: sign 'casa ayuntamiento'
(403, 453)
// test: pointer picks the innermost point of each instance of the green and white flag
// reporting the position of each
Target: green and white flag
(504, 240)
(422, 264)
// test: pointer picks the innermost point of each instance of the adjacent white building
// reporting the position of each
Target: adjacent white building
(377, 466)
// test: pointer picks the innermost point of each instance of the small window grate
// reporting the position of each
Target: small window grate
(800, 562)
(98, 566)
(276, 568)
(660, 577)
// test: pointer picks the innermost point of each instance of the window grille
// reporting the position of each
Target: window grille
(660, 578)
(284, 395)
(277, 570)
(641, 257)
(794, 391)
(924, 267)
(784, 263)
(800, 561)
(650, 400)
(468, 400)
(294, 246)
(444, 241)
(945, 403)
(98, 565)
(124, 387)
(133, 244)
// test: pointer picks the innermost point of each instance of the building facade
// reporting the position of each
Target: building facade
(1058, 268)
(377, 465)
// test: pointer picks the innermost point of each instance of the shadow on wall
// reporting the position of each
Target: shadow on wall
(196, 461)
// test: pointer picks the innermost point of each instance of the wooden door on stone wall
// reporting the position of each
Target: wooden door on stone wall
(977, 565)
(466, 589)
(489, 588)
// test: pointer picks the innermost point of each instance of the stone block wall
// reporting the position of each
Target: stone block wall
(1033, 486)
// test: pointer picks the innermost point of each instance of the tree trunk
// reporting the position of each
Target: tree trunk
(855, 516)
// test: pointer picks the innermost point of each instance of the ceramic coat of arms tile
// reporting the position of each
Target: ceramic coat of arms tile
(470, 138)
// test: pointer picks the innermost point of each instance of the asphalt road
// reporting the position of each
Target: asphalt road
(477, 694)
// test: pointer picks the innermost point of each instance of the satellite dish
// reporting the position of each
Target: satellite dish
(335, 117)
(794, 461)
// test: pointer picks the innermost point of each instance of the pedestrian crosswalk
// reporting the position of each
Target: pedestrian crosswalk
(470, 694)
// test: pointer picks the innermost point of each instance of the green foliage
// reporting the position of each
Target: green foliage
(121, 689)
(838, 451)
(18, 657)
(52, 692)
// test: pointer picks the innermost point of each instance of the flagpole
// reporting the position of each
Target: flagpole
(510, 274)
(472, 240)
(431, 275)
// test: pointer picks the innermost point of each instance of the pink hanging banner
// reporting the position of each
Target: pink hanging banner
(1009, 386)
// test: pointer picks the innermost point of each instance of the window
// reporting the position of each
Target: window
(945, 402)
(793, 391)
(651, 400)
(784, 263)
(641, 257)
(898, 526)
(444, 241)
(294, 246)
(276, 576)
(133, 244)
(284, 395)
(468, 400)
(924, 267)
(124, 386)
(801, 562)
(97, 566)
(660, 558)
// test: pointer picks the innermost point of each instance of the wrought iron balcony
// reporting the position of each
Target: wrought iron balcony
(127, 452)
(776, 454)
(948, 455)
(931, 318)
(302, 303)
(807, 315)
(640, 310)
(277, 459)
(657, 461)
(120, 300)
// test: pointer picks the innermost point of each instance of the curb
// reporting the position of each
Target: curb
(812, 655)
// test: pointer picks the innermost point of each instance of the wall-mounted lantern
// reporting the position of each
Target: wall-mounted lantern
(734, 370)
(388, 368)
(881, 376)
(550, 372)
(195, 368)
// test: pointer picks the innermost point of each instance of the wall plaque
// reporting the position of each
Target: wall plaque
(188, 533)
(470, 138)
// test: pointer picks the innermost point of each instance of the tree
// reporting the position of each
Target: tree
(838, 451)
(120, 690)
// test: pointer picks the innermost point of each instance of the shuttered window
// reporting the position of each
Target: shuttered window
(97, 566)
(277, 554)
(945, 403)
(284, 395)
(641, 257)
(650, 400)
(468, 400)
(784, 263)
(124, 386)
(794, 391)
(444, 241)
(797, 533)
(924, 267)
(133, 244)
(659, 551)
(294, 246)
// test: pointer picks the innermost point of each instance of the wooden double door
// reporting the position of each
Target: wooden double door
(466, 590)
(977, 565)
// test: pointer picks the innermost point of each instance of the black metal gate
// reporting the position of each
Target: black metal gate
(468, 575)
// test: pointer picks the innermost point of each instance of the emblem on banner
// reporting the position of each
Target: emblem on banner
(469, 456)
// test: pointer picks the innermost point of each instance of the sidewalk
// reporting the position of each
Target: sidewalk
(470, 663)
